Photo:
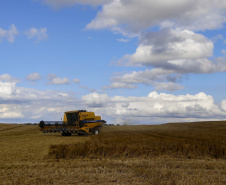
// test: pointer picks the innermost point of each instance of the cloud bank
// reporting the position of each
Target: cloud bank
(121, 15)
(155, 108)
(168, 54)
(26, 104)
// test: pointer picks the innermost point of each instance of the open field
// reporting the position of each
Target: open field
(186, 153)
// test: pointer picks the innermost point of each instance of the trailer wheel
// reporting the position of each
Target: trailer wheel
(96, 131)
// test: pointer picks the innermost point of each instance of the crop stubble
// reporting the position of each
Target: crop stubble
(186, 153)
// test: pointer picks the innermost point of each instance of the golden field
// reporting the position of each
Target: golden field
(174, 153)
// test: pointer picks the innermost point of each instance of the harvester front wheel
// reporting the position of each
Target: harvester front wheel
(96, 131)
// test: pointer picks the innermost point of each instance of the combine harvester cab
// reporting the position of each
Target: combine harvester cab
(80, 122)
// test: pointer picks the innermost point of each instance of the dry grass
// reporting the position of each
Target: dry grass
(162, 154)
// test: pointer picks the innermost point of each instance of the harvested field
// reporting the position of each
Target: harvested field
(186, 153)
(185, 141)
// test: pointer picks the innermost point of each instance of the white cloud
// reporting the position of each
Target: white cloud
(54, 80)
(6, 89)
(95, 100)
(9, 34)
(64, 3)
(33, 77)
(154, 77)
(147, 76)
(223, 51)
(156, 48)
(223, 105)
(7, 78)
(12, 114)
(18, 104)
(117, 85)
(201, 65)
(220, 64)
(76, 80)
(193, 14)
(122, 12)
(123, 40)
(10, 111)
(37, 34)
(169, 86)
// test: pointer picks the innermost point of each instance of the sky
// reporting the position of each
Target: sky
(130, 61)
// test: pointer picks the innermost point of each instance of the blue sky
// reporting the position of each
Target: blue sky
(133, 62)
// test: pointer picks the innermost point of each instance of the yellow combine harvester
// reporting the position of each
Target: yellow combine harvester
(80, 122)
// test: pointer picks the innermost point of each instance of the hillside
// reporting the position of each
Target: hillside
(173, 153)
